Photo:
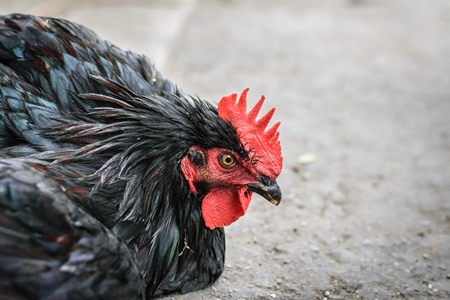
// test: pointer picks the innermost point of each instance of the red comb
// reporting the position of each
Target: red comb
(253, 133)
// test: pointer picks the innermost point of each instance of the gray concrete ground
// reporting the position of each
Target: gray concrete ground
(361, 85)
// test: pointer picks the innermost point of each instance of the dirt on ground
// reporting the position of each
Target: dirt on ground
(362, 88)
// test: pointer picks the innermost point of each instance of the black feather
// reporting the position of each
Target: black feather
(50, 248)
(110, 129)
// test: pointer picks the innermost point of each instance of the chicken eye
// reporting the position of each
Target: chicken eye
(227, 160)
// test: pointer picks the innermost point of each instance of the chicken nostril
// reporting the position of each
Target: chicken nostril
(265, 180)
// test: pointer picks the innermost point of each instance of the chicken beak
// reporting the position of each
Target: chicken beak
(268, 189)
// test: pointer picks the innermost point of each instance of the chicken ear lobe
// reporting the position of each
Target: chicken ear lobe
(190, 164)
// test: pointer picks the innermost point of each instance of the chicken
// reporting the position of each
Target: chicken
(131, 180)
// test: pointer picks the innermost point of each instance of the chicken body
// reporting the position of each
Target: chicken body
(129, 150)
(53, 249)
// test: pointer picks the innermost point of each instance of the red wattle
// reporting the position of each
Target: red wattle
(222, 207)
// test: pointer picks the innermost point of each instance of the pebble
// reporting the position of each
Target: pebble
(306, 177)
(314, 248)
(214, 292)
(366, 242)
(306, 158)
(273, 296)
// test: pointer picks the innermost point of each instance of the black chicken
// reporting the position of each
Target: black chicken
(113, 182)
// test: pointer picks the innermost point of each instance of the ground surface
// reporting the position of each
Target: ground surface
(364, 87)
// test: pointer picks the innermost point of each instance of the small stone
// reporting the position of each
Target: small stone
(306, 158)
(306, 176)
(366, 242)
(273, 296)
(314, 248)
(326, 293)
(426, 256)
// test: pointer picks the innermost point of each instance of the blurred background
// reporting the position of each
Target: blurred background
(362, 88)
